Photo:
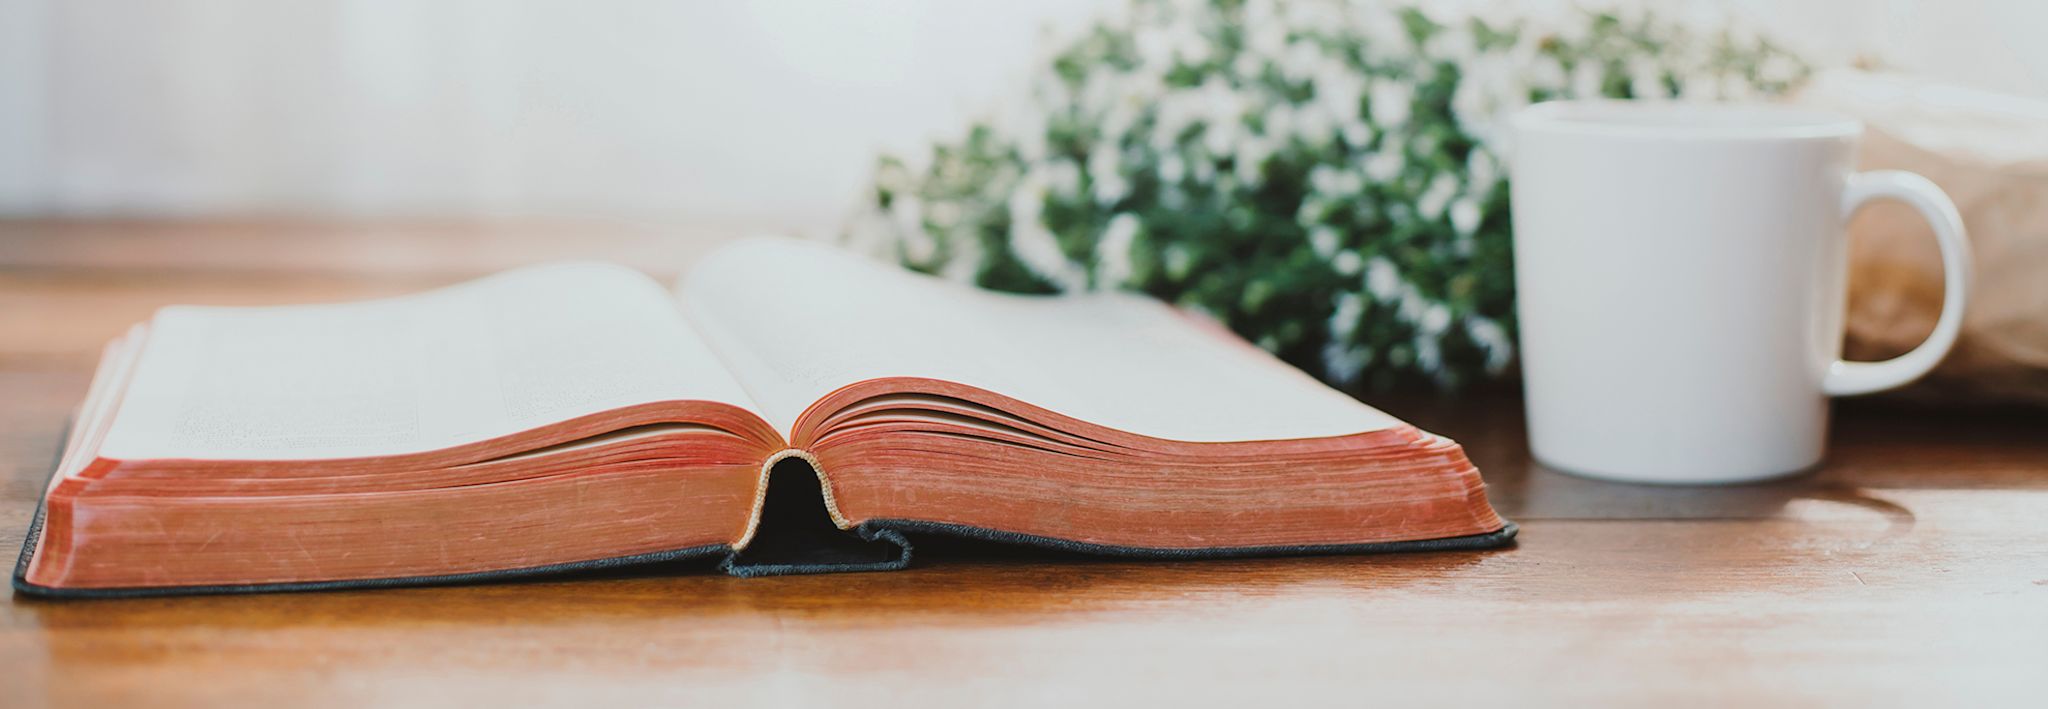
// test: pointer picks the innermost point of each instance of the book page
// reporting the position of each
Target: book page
(470, 362)
(795, 320)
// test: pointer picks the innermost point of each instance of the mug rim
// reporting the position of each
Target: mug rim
(1677, 120)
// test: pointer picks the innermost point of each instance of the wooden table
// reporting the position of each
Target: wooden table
(1912, 569)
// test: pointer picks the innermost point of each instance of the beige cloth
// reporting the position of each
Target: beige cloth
(1990, 153)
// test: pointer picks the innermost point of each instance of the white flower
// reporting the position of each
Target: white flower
(1390, 103)
(1278, 123)
(1411, 306)
(1310, 16)
(1568, 28)
(1028, 198)
(1384, 35)
(1779, 69)
(1110, 187)
(1218, 101)
(1465, 216)
(1032, 243)
(944, 215)
(1346, 263)
(908, 214)
(1646, 79)
(1105, 171)
(1222, 136)
(1323, 240)
(1172, 169)
(1349, 183)
(1262, 13)
(1154, 46)
(1482, 170)
(1472, 101)
(1428, 355)
(1168, 122)
(1356, 133)
(1062, 177)
(1454, 45)
(1247, 65)
(1734, 88)
(1026, 131)
(1250, 161)
(1311, 211)
(1385, 165)
(1587, 77)
(1344, 320)
(1435, 318)
(964, 263)
(1113, 251)
(1097, 90)
(1339, 90)
(1179, 263)
(1543, 69)
(1490, 87)
(1124, 110)
(1323, 179)
(908, 211)
(919, 246)
(1313, 126)
(1431, 203)
(1039, 251)
(1382, 280)
(1189, 47)
(1265, 39)
(1335, 182)
(1301, 60)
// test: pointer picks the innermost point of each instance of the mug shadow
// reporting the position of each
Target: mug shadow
(1538, 492)
(1522, 489)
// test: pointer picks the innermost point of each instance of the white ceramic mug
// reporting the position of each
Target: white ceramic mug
(1681, 277)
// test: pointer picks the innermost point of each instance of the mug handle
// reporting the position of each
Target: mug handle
(1845, 378)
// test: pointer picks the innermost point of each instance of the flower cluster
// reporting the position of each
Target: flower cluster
(1323, 177)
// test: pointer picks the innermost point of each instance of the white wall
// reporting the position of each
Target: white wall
(767, 111)
(758, 113)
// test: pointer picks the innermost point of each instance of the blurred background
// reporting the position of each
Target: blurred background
(414, 143)
(755, 114)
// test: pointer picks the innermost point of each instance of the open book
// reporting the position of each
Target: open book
(580, 415)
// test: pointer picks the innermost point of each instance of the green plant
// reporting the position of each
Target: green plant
(1325, 178)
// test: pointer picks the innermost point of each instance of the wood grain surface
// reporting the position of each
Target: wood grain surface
(1912, 569)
